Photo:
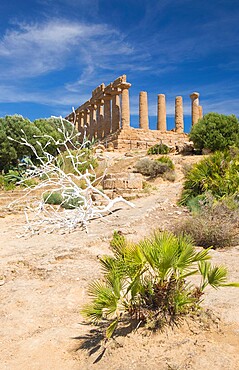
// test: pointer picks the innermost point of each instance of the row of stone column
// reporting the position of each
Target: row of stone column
(161, 112)
(105, 116)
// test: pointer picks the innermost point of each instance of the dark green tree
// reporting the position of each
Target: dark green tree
(49, 133)
(215, 132)
(15, 127)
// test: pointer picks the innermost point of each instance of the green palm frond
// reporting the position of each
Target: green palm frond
(186, 253)
(92, 312)
(182, 301)
(134, 259)
(111, 329)
(204, 268)
(172, 257)
(104, 300)
(113, 266)
(235, 285)
(151, 254)
(161, 253)
(202, 255)
(107, 263)
(118, 244)
(217, 276)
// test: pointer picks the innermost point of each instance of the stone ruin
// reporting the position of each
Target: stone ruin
(106, 118)
(125, 184)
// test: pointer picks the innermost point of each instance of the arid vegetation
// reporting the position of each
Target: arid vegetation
(146, 280)
(162, 166)
(211, 191)
(215, 132)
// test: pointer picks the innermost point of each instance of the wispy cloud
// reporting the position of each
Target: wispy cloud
(58, 61)
(34, 49)
(95, 51)
(13, 94)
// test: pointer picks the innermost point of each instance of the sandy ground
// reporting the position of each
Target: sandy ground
(43, 285)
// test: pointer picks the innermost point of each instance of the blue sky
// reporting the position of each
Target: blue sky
(53, 53)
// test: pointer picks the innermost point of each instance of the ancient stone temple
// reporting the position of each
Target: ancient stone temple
(106, 118)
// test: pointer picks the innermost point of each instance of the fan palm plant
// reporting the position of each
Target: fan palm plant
(149, 280)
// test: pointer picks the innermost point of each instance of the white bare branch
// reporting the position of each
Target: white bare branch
(86, 202)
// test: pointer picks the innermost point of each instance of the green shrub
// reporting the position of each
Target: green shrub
(67, 199)
(218, 174)
(159, 149)
(196, 204)
(5, 185)
(8, 182)
(152, 168)
(215, 132)
(166, 160)
(53, 197)
(71, 200)
(12, 151)
(13, 177)
(28, 183)
(15, 127)
(169, 176)
(146, 281)
(215, 225)
(84, 157)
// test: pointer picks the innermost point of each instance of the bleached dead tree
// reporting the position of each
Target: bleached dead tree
(87, 202)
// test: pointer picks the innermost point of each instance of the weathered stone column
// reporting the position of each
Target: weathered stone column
(161, 126)
(125, 110)
(87, 122)
(195, 103)
(80, 123)
(115, 113)
(200, 111)
(107, 115)
(93, 121)
(100, 119)
(143, 111)
(77, 121)
(179, 123)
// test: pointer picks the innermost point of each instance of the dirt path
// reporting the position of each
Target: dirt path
(43, 286)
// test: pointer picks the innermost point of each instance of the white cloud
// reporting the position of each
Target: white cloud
(55, 97)
(30, 50)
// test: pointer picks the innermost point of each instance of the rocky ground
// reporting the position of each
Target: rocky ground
(43, 285)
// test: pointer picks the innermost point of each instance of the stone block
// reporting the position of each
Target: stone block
(135, 184)
(135, 181)
(109, 184)
(121, 184)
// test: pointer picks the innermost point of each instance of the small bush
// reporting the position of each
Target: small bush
(71, 200)
(28, 183)
(217, 173)
(159, 149)
(146, 281)
(215, 132)
(169, 176)
(67, 199)
(196, 204)
(166, 160)
(13, 177)
(5, 184)
(151, 168)
(84, 157)
(214, 225)
(55, 198)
